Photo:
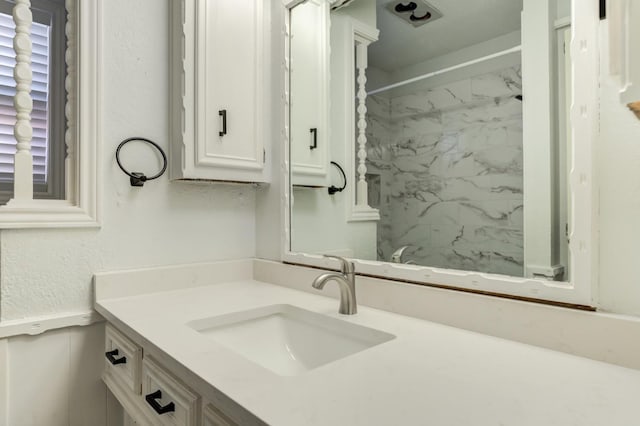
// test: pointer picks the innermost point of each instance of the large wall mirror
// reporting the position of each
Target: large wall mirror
(440, 141)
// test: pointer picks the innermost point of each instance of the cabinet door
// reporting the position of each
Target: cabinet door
(309, 64)
(230, 80)
(123, 359)
(218, 80)
(211, 416)
(167, 400)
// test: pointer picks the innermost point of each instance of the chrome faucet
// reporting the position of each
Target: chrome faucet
(346, 281)
(396, 257)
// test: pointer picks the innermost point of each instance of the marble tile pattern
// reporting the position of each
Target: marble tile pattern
(449, 166)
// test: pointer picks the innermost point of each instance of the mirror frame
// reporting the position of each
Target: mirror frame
(583, 267)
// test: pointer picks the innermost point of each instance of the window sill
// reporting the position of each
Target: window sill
(45, 214)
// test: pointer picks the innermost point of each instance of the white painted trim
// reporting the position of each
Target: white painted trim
(83, 210)
(287, 196)
(23, 102)
(562, 22)
(585, 119)
(362, 186)
(363, 214)
(539, 138)
(584, 232)
(45, 214)
(4, 382)
(38, 325)
(289, 4)
(354, 32)
(71, 102)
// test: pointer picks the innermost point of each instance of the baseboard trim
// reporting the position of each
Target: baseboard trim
(37, 325)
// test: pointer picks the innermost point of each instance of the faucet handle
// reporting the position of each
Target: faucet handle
(346, 266)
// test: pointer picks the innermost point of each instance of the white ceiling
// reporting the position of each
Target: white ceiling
(464, 23)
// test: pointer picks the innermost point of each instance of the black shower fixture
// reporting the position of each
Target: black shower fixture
(402, 8)
(424, 17)
(415, 13)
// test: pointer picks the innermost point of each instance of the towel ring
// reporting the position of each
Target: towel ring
(333, 189)
(138, 178)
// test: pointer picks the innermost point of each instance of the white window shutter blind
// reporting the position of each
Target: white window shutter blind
(40, 37)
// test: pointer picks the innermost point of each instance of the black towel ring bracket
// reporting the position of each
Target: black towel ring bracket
(137, 178)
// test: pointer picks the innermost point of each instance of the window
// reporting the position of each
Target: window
(65, 60)
(48, 93)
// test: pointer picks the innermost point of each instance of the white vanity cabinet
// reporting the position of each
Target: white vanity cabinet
(309, 68)
(218, 85)
(123, 360)
(150, 393)
(211, 416)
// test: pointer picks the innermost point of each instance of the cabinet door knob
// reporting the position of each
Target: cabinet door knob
(223, 113)
(160, 409)
(111, 356)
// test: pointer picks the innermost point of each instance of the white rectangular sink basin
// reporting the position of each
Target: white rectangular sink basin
(288, 340)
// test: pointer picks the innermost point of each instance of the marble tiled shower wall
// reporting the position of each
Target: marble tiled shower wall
(445, 167)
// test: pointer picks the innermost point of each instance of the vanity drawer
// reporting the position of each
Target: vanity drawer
(211, 416)
(123, 359)
(172, 403)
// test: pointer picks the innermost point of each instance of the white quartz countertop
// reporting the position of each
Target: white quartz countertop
(430, 374)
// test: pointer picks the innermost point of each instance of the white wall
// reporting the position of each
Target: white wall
(618, 169)
(162, 223)
(319, 225)
(364, 11)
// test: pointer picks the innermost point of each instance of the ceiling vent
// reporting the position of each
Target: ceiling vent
(416, 13)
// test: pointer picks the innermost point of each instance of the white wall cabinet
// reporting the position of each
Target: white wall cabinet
(309, 62)
(218, 82)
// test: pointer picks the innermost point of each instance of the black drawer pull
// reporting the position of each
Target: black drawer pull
(314, 138)
(223, 113)
(111, 356)
(151, 400)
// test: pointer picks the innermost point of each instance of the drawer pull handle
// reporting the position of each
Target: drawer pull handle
(223, 113)
(111, 356)
(314, 138)
(152, 401)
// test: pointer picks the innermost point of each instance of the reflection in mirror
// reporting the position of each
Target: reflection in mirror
(457, 121)
(309, 64)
